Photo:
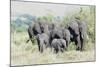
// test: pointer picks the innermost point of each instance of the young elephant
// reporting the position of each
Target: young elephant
(58, 45)
(66, 36)
(43, 41)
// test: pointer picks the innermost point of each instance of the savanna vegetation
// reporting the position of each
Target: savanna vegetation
(23, 53)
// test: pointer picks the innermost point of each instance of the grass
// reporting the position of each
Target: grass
(23, 53)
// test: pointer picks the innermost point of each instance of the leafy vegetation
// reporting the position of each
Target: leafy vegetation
(26, 54)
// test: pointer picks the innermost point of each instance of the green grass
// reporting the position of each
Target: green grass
(23, 53)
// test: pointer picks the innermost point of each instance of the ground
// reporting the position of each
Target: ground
(23, 53)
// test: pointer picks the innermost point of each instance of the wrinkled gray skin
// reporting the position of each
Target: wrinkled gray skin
(78, 33)
(56, 33)
(51, 26)
(39, 28)
(33, 30)
(66, 36)
(83, 33)
(43, 41)
(58, 45)
(47, 28)
(60, 33)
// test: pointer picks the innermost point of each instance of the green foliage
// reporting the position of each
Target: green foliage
(86, 13)
(72, 46)
(23, 53)
(47, 18)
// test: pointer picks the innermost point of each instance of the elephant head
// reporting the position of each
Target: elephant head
(83, 33)
(43, 41)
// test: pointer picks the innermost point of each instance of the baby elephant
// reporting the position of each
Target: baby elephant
(43, 41)
(58, 45)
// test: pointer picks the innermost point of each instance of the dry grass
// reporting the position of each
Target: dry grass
(28, 54)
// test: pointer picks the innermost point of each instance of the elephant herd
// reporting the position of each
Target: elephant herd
(56, 37)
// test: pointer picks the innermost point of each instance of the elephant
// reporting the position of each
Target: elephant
(60, 33)
(56, 33)
(66, 36)
(43, 41)
(33, 30)
(77, 33)
(51, 26)
(38, 28)
(83, 33)
(45, 28)
(58, 45)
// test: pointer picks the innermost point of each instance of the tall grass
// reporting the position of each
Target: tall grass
(23, 53)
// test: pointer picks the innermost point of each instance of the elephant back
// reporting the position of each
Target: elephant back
(73, 28)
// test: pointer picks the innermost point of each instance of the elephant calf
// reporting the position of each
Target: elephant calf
(58, 45)
(43, 41)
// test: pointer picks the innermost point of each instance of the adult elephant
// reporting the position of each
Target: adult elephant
(83, 33)
(33, 30)
(51, 26)
(60, 33)
(39, 28)
(44, 27)
(78, 33)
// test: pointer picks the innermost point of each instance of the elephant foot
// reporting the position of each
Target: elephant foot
(77, 49)
(62, 50)
(56, 51)
(41, 51)
(82, 49)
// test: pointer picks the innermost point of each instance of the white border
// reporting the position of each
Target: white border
(89, 2)
(5, 33)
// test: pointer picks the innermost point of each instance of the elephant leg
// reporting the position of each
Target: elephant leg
(41, 49)
(67, 43)
(56, 50)
(31, 35)
(82, 44)
(62, 49)
(51, 49)
(77, 48)
(78, 44)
